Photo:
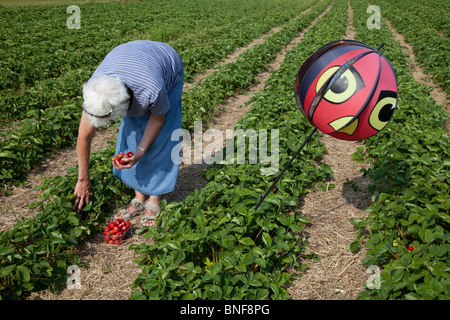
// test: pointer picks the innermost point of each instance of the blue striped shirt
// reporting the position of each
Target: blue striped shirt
(150, 69)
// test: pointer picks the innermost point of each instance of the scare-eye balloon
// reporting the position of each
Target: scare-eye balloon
(347, 89)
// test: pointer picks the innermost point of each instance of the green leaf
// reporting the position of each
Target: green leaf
(241, 267)
(214, 292)
(189, 296)
(6, 251)
(248, 258)
(438, 250)
(425, 235)
(215, 269)
(73, 220)
(138, 295)
(174, 245)
(7, 154)
(303, 219)
(23, 273)
(296, 227)
(247, 241)
(34, 205)
(426, 292)
(261, 294)
(7, 270)
(267, 239)
(151, 284)
(261, 262)
(255, 282)
(436, 286)
(284, 220)
(354, 246)
(412, 296)
(228, 244)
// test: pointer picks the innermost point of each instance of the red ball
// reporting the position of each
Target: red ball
(347, 89)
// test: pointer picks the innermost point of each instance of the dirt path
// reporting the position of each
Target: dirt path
(437, 93)
(114, 265)
(15, 207)
(338, 274)
(108, 271)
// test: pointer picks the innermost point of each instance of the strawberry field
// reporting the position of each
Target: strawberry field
(212, 243)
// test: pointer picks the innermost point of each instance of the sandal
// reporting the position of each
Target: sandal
(151, 206)
(125, 215)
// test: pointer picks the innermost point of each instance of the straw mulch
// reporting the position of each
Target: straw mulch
(338, 274)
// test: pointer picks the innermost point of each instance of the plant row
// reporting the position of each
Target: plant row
(204, 97)
(426, 29)
(45, 130)
(214, 244)
(44, 34)
(73, 58)
(407, 230)
(428, 13)
(36, 251)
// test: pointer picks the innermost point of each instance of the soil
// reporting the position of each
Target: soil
(437, 93)
(337, 275)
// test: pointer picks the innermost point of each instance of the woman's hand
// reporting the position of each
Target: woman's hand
(154, 124)
(82, 191)
(86, 133)
(138, 154)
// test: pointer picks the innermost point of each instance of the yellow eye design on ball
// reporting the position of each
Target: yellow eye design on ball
(344, 87)
(383, 110)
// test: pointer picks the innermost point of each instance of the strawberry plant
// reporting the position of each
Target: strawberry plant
(35, 253)
(206, 96)
(410, 174)
(214, 244)
(24, 147)
(426, 29)
(38, 72)
(52, 120)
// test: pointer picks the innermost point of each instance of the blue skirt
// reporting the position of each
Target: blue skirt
(157, 172)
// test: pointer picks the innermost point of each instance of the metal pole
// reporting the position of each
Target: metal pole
(285, 168)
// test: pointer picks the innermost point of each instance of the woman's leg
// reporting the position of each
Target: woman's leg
(150, 212)
(131, 208)
(141, 196)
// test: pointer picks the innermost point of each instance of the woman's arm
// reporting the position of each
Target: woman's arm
(86, 133)
(152, 129)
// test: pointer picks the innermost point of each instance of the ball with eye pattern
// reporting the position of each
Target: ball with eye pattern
(347, 89)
